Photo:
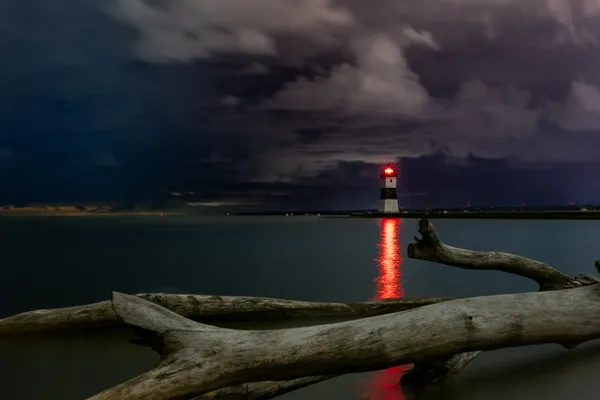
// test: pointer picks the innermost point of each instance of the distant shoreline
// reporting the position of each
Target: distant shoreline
(529, 215)
(79, 210)
(522, 215)
(78, 214)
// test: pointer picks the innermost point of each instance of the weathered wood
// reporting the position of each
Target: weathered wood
(425, 375)
(199, 358)
(430, 248)
(209, 308)
(204, 308)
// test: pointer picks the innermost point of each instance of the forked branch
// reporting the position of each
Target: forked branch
(425, 375)
(198, 358)
(431, 248)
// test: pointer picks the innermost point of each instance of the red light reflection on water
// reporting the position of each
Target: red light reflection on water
(383, 385)
(389, 260)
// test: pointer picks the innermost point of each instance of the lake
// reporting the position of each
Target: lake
(49, 262)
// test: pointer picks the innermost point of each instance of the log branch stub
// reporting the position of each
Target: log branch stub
(425, 375)
(430, 248)
(597, 264)
(586, 279)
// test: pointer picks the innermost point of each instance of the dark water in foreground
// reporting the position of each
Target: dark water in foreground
(52, 262)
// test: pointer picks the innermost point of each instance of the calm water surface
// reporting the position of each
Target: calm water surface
(53, 262)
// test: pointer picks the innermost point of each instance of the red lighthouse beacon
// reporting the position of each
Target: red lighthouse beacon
(388, 200)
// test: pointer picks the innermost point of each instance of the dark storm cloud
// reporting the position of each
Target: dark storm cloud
(499, 182)
(136, 96)
(411, 78)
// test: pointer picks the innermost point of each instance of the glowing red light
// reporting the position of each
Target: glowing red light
(383, 385)
(388, 171)
(388, 281)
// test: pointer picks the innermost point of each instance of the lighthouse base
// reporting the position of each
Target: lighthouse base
(388, 206)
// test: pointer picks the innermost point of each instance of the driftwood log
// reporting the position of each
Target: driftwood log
(438, 335)
(431, 248)
(205, 309)
(426, 374)
(198, 358)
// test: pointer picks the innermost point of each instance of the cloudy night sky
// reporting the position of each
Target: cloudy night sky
(297, 103)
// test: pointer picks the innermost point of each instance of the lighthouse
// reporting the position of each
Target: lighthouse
(388, 200)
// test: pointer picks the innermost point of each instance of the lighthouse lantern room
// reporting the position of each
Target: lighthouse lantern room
(388, 200)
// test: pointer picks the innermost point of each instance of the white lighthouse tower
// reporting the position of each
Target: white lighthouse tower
(388, 199)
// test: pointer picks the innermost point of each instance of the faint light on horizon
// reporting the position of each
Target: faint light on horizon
(218, 203)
